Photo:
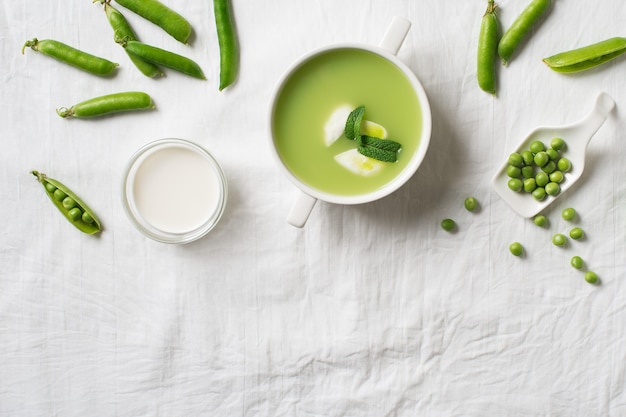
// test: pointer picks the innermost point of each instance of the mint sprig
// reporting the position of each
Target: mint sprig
(385, 150)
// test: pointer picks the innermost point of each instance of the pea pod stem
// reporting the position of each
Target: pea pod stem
(587, 57)
(520, 28)
(161, 15)
(228, 42)
(69, 204)
(71, 56)
(107, 104)
(487, 49)
(163, 58)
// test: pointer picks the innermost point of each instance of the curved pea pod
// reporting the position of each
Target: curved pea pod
(163, 58)
(123, 30)
(107, 104)
(70, 205)
(72, 56)
(587, 57)
(161, 15)
(520, 28)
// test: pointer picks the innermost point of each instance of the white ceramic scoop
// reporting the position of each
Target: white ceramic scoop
(576, 137)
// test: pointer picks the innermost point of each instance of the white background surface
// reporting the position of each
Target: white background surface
(370, 310)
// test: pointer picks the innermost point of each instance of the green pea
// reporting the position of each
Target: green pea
(527, 157)
(515, 184)
(549, 167)
(70, 205)
(72, 56)
(50, 188)
(557, 144)
(552, 188)
(577, 262)
(470, 203)
(539, 193)
(110, 103)
(564, 165)
(520, 28)
(559, 239)
(542, 179)
(591, 277)
(59, 195)
(448, 225)
(556, 176)
(513, 171)
(529, 185)
(541, 158)
(576, 233)
(537, 146)
(540, 220)
(553, 154)
(516, 159)
(568, 213)
(528, 172)
(75, 213)
(516, 249)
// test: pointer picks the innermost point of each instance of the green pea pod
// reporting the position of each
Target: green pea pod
(487, 50)
(163, 58)
(228, 43)
(520, 28)
(110, 103)
(71, 56)
(587, 57)
(123, 30)
(161, 15)
(70, 205)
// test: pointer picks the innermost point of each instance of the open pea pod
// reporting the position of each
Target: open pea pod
(70, 205)
(587, 57)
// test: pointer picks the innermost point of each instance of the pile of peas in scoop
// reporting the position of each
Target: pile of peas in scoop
(538, 170)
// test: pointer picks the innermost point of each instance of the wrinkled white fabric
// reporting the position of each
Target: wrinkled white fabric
(369, 310)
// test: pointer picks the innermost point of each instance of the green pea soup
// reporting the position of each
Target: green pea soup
(322, 84)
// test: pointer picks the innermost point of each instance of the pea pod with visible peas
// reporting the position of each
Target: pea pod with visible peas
(228, 43)
(70, 205)
(163, 58)
(587, 57)
(110, 103)
(487, 47)
(522, 25)
(72, 56)
(161, 15)
(123, 30)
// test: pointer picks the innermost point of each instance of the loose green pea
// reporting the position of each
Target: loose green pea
(529, 185)
(470, 203)
(516, 249)
(513, 171)
(515, 184)
(577, 262)
(448, 224)
(552, 188)
(591, 277)
(568, 213)
(539, 193)
(576, 233)
(553, 154)
(549, 167)
(564, 165)
(528, 172)
(537, 146)
(557, 176)
(516, 159)
(559, 239)
(527, 157)
(75, 213)
(542, 179)
(59, 195)
(540, 220)
(557, 144)
(541, 158)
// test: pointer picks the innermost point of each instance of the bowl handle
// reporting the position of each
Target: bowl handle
(301, 208)
(396, 32)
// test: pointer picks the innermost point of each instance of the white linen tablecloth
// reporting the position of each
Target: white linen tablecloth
(369, 310)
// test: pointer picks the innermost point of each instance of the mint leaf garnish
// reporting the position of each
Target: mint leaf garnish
(380, 154)
(353, 123)
(384, 144)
